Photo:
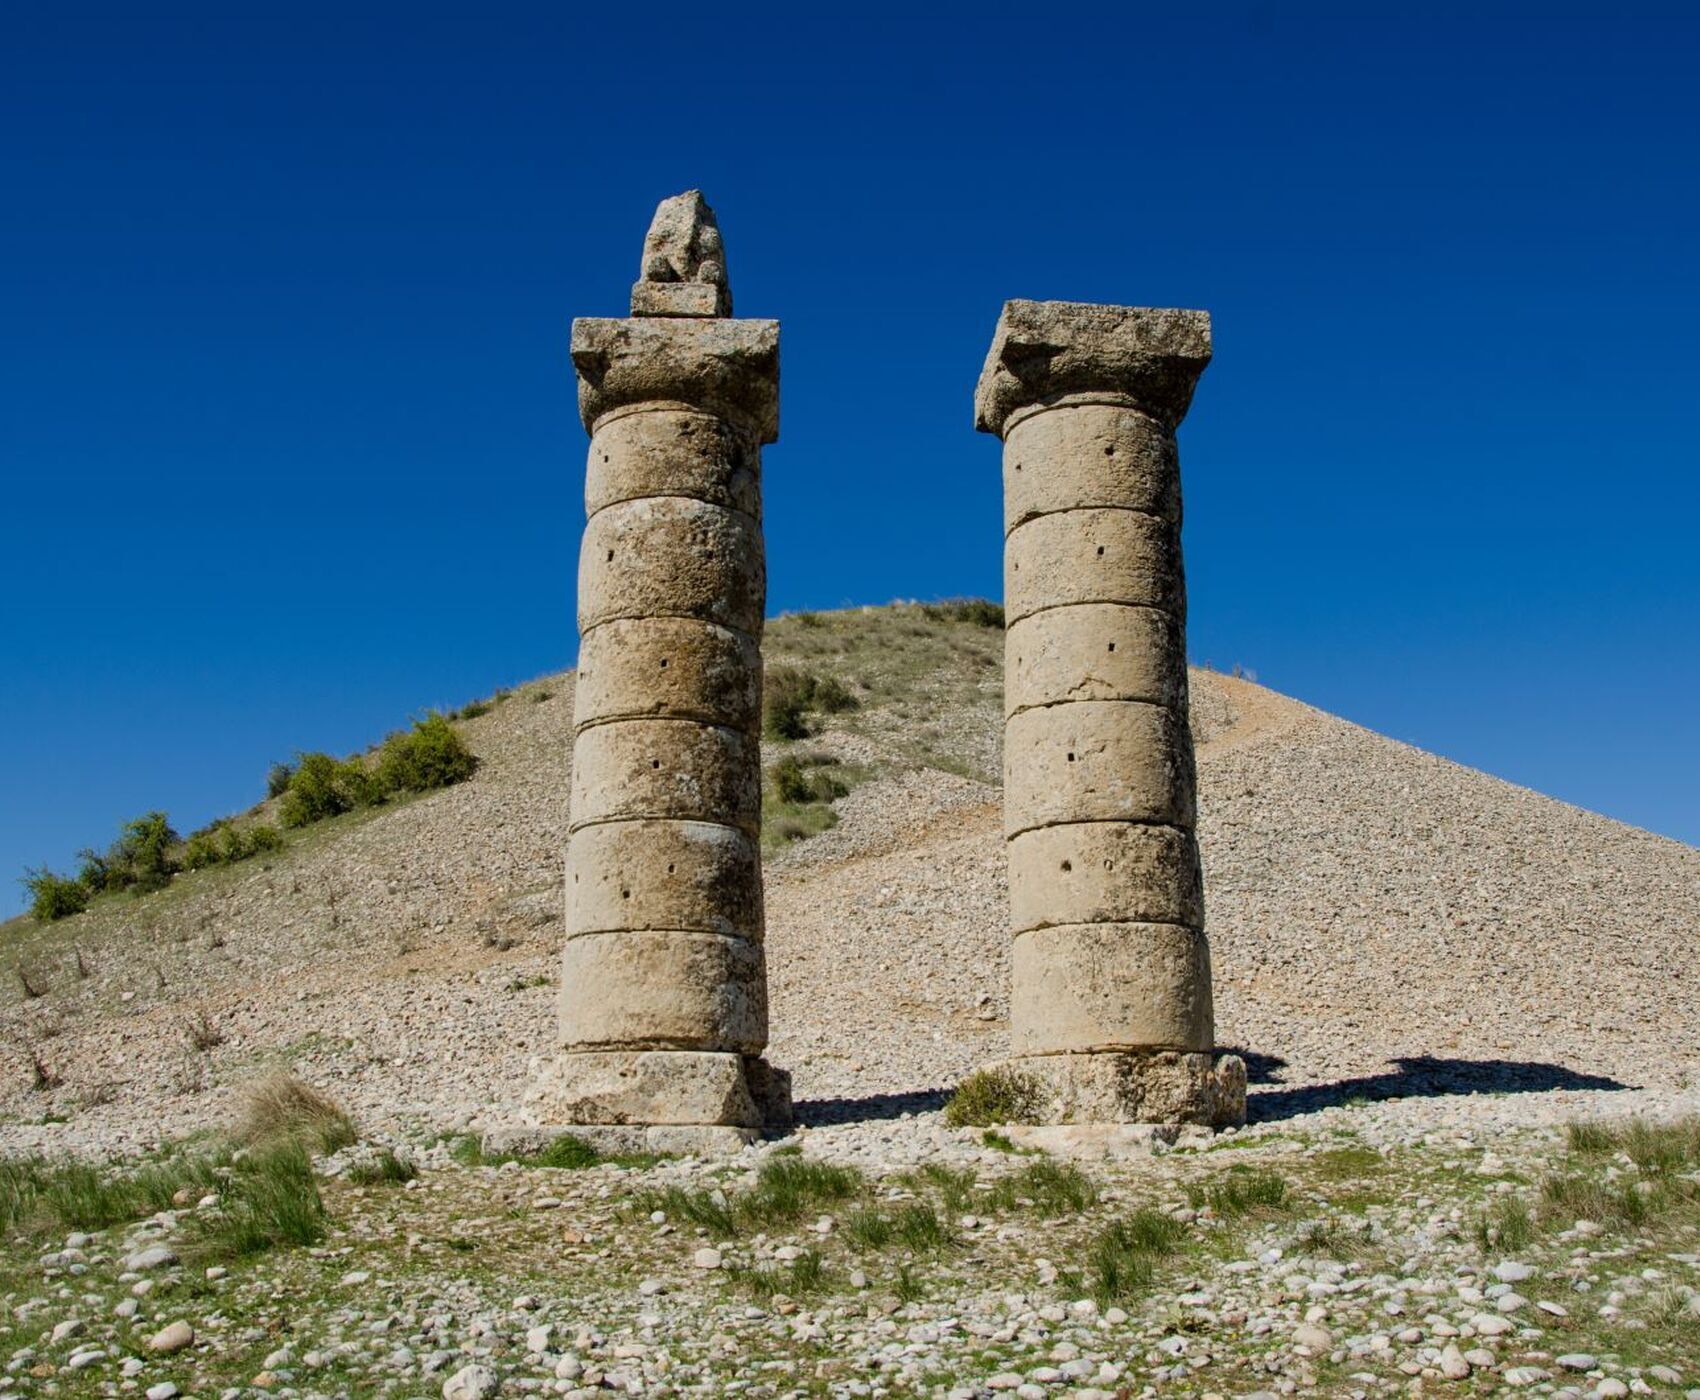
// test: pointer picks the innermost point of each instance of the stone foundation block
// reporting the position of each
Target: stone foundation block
(663, 990)
(1162, 1086)
(670, 557)
(1094, 651)
(1093, 556)
(666, 768)
(1104, 872)
(1090, 987)
(652, 1087)
(669, 668)
(1097, 761)
(672, 452)
(1089, 455)
(697, 876)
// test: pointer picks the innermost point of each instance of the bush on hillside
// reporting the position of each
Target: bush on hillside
(981, 612)
(140, 860)
(789, 694)
(430, 755)
(277, 779)
(54, 896)
(323, 786)
(803, 780)
(223, 843)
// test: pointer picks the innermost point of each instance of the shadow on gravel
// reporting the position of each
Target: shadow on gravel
(819, 1112)
(1422, 1077)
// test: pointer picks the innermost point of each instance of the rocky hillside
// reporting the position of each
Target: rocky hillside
(1383, 922)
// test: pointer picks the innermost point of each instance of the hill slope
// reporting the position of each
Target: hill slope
(1382, 921)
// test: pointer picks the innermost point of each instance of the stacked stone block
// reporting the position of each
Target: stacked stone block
(663, 1007)
(1111, 1000)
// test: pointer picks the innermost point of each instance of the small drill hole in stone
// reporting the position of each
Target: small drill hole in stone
(669, 868)
(610, 556)
(625, 894)
(1071, 758)
(664, 660)
(1067, 866)
(1109, 452)
(1112, 648)
(1109, 865)
(1100, 549)
(655, 763)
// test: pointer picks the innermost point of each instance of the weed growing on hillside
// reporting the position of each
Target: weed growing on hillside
(54, 896)
(789, 695)
(268, 1198)
(1241, 1192)
(280, 1109)
(385, 1168)
(995, 1096)
(1047, 1187)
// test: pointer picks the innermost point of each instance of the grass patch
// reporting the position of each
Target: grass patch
(995, 1096)
(1121, 1261)
(1046, 1187)
(1506, 1225)
(1241, 1192)
(807, 1273)
(269, 1199)
(280, 1109)
(384, 1169)
(914, 1225)
(787, 1188)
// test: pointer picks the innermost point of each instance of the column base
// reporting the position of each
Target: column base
(660, 1089)
(1138, 1086)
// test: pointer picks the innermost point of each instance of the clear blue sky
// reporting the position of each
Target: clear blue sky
(287, 427)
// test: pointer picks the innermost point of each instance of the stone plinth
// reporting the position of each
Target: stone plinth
(1111, 1004)
(663, 1005)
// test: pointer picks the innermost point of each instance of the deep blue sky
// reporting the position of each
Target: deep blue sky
(287, 426)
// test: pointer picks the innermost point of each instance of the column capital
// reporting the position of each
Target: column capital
(1051, 352)
(724, 367)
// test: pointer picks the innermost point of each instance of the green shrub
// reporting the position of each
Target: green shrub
(323, 787)
(473, 709)
(263, 839)
(143, 853)
(981, 612)
(801, 780)
(430, 755)
(789, 694)
(223, 843)
(992, 1096)
(277, 779)
(54, 896)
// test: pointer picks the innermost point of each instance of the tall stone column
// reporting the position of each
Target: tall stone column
(663, 1003)
(1111, 1004)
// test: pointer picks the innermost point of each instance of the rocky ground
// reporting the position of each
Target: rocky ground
(1429, 971)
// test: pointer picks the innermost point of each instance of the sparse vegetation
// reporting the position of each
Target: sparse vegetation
(1047, 1187)
(384, 1167)
(224, 843)
(979, 612)
(1242, 1191)
(790, 695)
(1121, 1261)
(280, 1108)
(268, 1198)
(54, 896)
(991, 1097)
(428, 756)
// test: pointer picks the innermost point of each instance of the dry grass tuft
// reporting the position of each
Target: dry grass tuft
(280, 1108)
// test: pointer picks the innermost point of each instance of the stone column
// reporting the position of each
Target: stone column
(1111, 1003)
(663, 1003)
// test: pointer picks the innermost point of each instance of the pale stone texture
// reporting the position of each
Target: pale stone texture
(663, 1001)
(1111, 1005)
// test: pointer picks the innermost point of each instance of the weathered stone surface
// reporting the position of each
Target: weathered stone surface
(1110, 964)
(1090, 455)
(1088, 987)
(1097, 761)
(1044, 352)
(668, 668)
(699, 876)
(1104, 872)
(663, 1004)
(1094, 651)
(667, 768)
(644, 1087)
(684, 262)
(1135, 1086)
(666, 556)
(663, 990)
(1093, 556)
(672, 452)
(727, 368)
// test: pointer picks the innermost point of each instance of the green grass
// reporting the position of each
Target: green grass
(385, 1169)
(1121, 1261)
(915, 1225)
(787, 1188)
(1505, 1225)
(1242, 1191)
(269, 1199)
(807, 1273)
(1046, 1188)
(991, 1097)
